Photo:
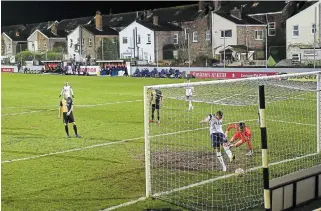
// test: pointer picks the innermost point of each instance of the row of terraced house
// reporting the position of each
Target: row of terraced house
(241, 31)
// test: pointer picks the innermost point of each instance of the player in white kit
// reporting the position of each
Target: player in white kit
(218, 137)
(189, 94)
(66, 89)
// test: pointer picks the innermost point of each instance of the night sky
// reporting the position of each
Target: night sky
(23, 12)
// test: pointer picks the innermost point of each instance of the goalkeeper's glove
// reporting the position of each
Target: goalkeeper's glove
(73, 96)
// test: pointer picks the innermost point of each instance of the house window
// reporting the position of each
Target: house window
(195, 36)
(138, 39)
(70, 43)
(258, 34)
(186, 33)
(45, 45)
(9, 46)
(314, 28)
(208, 35)
(296, 31)
(124, 40)
(149, 39)
(78, 40)
(175, 38)
(90, 42)
(83, 41)
(226, 33)
(271, 29)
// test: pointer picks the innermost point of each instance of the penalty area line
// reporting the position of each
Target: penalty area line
(92, 105)
(103, 144)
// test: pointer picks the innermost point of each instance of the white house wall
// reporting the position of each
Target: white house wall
(74, 35)
(304, 20)
(219, 23)
(146, 51)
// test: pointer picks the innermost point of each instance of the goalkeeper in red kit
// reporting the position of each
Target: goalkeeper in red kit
(243, 134)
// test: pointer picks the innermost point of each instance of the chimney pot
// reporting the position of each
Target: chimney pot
(155, 20)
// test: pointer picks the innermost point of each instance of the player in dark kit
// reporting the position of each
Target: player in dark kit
(66, 107)
(156, 101)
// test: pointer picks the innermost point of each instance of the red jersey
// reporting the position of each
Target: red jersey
(245, 135)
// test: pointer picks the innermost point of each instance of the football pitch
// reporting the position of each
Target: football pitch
(42, 170)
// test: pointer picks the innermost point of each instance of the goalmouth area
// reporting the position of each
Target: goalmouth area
(181, 166)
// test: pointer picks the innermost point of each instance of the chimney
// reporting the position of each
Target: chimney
(217, 5)
(54, 29)
(236, 13)
(99, 21)
(200, 5)
(155, 20)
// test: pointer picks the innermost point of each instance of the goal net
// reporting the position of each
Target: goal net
(181, 165)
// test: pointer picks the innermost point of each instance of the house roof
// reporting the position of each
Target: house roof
(262, 7)
(70, 24)
(176, 14)
(236, 48)
(304, 6)
(7, 29)
(121, 19)
(246, 20)
(106, 30)
(163, 26)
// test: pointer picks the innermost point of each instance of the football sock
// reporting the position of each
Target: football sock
(66, 129)
(220, 158)
(228, 151)
(249, 145)
(75, 129)
(158, 115)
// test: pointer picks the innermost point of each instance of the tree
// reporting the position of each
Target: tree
(109, 50)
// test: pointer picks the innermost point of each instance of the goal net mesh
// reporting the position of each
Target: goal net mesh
(183, 165)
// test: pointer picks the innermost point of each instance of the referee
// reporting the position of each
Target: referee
(66, 107)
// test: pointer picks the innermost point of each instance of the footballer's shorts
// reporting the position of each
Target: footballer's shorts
(188, 97)
(155, 106)
(218, 139)
(68, 119)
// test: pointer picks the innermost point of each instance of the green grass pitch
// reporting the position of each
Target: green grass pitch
(42, 170)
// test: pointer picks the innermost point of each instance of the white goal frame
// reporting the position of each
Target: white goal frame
(194, 84)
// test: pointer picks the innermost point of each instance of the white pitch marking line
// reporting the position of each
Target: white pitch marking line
(125, 204)
(296, 123)
(70, 150)
(131, 139)
(227, 176)
(103, 144)
(92, 105)
(203, 183)
(125, 140)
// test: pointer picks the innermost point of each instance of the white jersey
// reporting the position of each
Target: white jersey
(67, 90)
(189, 90)
(215, 124)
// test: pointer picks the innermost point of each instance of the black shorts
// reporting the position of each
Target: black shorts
(68, 119)
(155, 106)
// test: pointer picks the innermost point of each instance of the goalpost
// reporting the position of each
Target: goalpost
(181, 166)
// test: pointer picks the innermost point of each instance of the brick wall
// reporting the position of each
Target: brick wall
(43, 42)
(163, 39)
(246, 36)
(87, 50)
(202, 46)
